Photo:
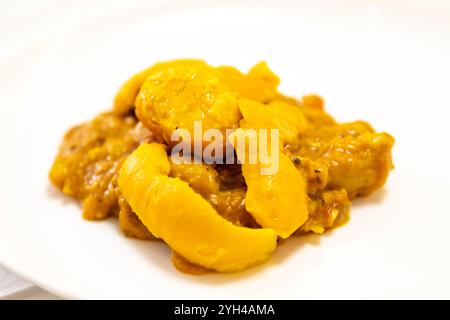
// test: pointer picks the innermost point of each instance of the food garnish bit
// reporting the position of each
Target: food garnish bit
(218, 216)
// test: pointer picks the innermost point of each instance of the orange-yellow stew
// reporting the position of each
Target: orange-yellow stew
(218, 217)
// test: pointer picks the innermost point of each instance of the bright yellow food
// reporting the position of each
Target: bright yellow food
(90, 158)
(172, 210)
(260, 84)
(201, 177)
(286, 117)
(125, 98)
(176, 95)
(218, 217)
(279, 200)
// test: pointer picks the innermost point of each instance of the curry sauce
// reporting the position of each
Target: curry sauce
(337, 161)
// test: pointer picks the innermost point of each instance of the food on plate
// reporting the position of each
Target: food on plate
(172, 211)
(220, 215)
(279, 200)
(178, 94)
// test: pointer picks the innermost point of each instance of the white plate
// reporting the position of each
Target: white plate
(384, 61)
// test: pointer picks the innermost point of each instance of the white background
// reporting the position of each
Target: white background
(387, 61)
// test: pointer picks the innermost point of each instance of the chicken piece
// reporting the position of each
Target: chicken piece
(124, 101)
(185, 266)
(312, 101)
(277, 199)
(260, 84)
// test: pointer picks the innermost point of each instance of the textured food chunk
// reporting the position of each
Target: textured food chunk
(278, 200)
(313, 101)
(230, 204)
(312, 107)
(201, 177)
(224, 190)
(173, 211)
(177, 95)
